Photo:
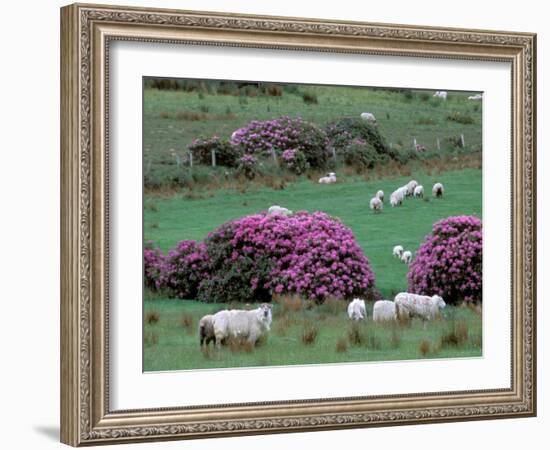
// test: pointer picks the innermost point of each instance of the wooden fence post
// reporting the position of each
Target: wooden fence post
(213, 158)
(438, 144)
(462, 140)
(191, 160)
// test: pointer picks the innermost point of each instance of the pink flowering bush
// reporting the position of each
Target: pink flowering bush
(248, 166)
(152, 265)
(449, 262)
(295, 161)
(262, 138)
(258, 256)
(181, 270)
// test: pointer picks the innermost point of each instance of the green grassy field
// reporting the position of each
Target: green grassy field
(172, 343)
(170, 220)
(400, 117)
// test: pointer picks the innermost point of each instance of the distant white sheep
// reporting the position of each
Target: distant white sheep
(384, 310)
(243, 324)
(419, 191)
(410, 186)
(398, 251)
(328, 179)
(406, 257)
(475, 97)
(397, 196)
(441, 94)
(279, 210)
(437, 190)
(357, 309)
(369, 117)
(422, 306)
(376, 204)
(380, 195)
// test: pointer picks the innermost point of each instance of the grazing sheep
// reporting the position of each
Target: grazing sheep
(384, 310)
(441, 94)
(422, 306)
(369, 117)
(376, 204)
(357, 310)
(406, 257)
(398, 251)
(380, 195)
(279, 210)
(410, 187)
(475, 97)
(328, 179)
(419, 191)
(206, 330)
(245, 324)
(397, 197)
(438, 190)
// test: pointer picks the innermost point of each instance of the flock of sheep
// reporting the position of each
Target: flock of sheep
(251, 325)
(411, 189)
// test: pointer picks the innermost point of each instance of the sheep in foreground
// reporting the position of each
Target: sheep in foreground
(376, 204)
(206, 330)
(410, 187)
(421, 306)
(242, 324)
(384, 311)
(406, 257)
(357, 309)
(380, 195)
(328, 179)
(441, 94)
(419, 191)
(398, 251)
(397, 197)
(279, 210)
(369, 117)
(437, 190)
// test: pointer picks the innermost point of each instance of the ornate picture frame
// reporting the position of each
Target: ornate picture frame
(86, 34)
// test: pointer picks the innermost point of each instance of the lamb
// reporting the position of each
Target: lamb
(406, 257)
(328, 179)
(369, 117)
(397, 197)
(279, 210)
(422, 306)
(438, 190)
(419, 191)
(357, 310)
(410, 186)
(206, 330)
(380, 195)
(242, 324)
(376, 204)
(441, 94)
(398, 251)
(384, 310)
(475, 97)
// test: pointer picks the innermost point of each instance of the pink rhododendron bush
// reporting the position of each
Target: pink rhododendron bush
(449, 262)
(255, 257)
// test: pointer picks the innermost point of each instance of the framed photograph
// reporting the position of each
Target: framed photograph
(276, 224)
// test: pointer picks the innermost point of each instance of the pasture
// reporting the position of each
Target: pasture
(320, 335)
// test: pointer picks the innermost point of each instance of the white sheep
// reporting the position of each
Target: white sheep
(438, 190)
(422, 306)
(397, 196)
(441, 94)
(406, 257)
(279, 210)
(242, 324)
(410, 186)
(369, 117)
(328, 179)
(419, 191)
(380, 195)
(398, 251)
(475, 97)
(376, 204)
(384, 310)
(206, 330)
(357, 309)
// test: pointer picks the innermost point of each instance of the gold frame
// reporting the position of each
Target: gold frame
(86, 31)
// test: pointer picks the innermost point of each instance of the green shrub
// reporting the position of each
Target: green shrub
(227, 155)
(459, 117)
